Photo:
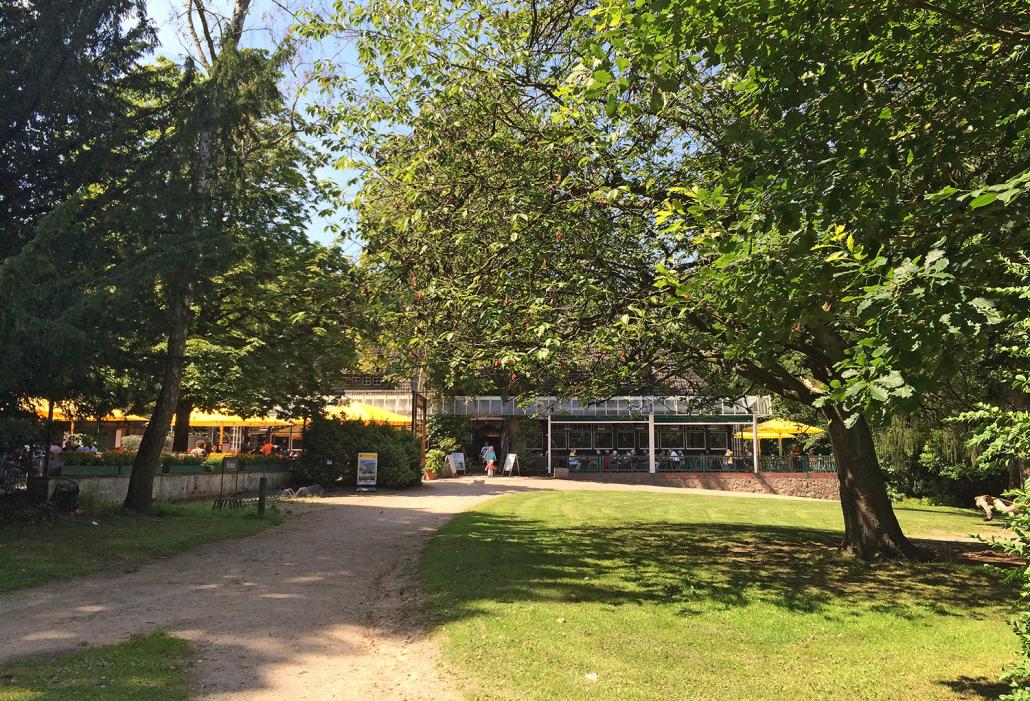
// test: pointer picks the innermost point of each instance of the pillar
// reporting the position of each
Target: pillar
(755, 445)
(652, 464)
(548, 444)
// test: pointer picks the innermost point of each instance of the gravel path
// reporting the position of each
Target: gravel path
(324, 606)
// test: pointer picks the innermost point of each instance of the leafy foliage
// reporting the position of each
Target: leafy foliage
(1019, 546)
(331, 453)
(448, 432)
(802, 196)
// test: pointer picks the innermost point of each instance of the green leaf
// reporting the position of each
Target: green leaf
(983, 200)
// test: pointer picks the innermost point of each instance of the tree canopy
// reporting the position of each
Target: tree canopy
(811, 198)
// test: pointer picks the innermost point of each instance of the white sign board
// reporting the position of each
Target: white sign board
(368, 469)
(457, 463)
(511, 462)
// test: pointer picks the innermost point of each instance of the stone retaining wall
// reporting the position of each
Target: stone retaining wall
(818, 485)
(174, 487)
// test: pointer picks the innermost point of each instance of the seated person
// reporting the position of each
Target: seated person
(199, 450)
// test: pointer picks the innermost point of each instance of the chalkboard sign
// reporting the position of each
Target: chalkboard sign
(230, 464)
(511, 464)
(457, 463)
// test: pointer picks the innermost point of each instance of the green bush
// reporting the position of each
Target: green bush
(131, 443)
(1019, 546)
(341, 441)
(447, 446)
(448, 432)
(111, 457)
(435, 459)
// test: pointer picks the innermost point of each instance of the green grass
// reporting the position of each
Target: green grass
(31, 555)
(704, 598)
(150, 667)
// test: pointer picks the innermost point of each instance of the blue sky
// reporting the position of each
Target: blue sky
(266, 22)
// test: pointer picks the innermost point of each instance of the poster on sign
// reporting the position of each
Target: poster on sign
(457, 463)
(368, 468)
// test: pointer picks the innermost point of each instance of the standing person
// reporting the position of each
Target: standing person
(490, 457)
(795, 458)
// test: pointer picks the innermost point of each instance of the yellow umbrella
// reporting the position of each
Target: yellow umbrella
(782, 428)
(359, 411)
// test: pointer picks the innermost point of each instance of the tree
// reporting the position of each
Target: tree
(811, 198)
(66, 115)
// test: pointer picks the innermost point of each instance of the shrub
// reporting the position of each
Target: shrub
(110, 457)
(435, 459)
(1019, 546)
(447, 446)
(445, 431)
(341, 441)
(131, 443)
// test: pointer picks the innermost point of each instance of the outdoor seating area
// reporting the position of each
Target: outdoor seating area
(681, 443)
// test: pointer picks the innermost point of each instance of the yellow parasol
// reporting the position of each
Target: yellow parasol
(359, 411)
(782, 428)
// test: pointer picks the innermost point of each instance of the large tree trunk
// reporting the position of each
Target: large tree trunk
(181, 429)
(871, 529)
(144, 467)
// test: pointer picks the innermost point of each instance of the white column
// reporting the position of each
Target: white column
(548, 444)
(754, 441)
(652, 465)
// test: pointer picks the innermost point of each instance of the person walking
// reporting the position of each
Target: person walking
(490, 458)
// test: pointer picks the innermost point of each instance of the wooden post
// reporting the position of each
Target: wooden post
(262, 494)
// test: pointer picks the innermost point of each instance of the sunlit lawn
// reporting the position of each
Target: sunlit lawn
(706, 597)
(149, 667)
(31, 555)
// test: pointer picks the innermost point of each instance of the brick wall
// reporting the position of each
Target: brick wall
(818, 485)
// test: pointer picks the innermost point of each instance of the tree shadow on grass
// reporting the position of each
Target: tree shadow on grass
(977, 687)
(694, 567)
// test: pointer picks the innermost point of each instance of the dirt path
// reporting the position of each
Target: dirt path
(322, 607)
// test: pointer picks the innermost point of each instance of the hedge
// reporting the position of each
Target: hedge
(340, 442)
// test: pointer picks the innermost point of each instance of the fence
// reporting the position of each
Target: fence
(686, 463)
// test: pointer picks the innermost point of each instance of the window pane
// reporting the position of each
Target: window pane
(696, 440)
(580, 440)
(642, 440)
(717, 438)
(559, 439)
(603, 440)
(624, 440)
(670, 438)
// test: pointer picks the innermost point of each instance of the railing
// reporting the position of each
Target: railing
(797, 463)
(685, 463)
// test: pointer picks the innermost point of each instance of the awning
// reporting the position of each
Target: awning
(66, 411)
(359, 411)
(782, 428)
(202, 419)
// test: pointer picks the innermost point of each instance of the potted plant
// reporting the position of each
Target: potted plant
(434, 464)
